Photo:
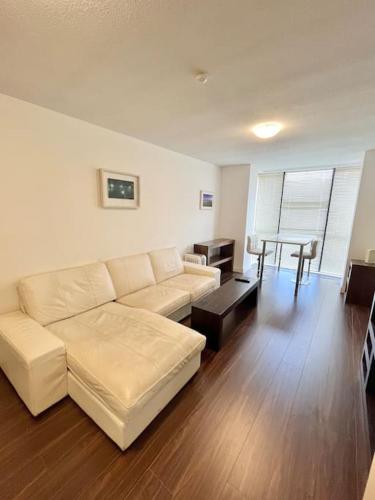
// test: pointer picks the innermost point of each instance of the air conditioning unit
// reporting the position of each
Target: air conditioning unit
(195, 258)
(370, 256)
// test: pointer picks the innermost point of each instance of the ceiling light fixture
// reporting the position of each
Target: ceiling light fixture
(267, 130)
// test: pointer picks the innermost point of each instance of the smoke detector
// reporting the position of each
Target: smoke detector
(201, 78)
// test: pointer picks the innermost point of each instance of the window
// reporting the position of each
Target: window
(304, 209)
(268, 203)
(340, 220)
(316, 203)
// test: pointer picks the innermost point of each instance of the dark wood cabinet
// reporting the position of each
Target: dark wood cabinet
(368, 355)
(219, 253)
(360, 283)
(368, 372)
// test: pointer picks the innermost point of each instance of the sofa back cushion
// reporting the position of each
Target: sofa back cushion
(166, 263)
(54, 296)
(130, 274)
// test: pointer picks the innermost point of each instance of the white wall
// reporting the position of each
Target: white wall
(233, 208)
(363, 233)
(49, 212)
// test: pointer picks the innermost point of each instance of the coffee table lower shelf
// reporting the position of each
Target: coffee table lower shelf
(217, 314)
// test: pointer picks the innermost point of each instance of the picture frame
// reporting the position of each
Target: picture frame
(207, 200)
(118, 189)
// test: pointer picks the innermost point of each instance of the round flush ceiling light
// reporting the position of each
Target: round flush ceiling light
(267, 130)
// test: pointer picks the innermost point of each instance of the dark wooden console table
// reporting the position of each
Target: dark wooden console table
(219, 253)
(217, 314)
(360, 283)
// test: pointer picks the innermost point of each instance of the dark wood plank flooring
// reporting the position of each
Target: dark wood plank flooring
(278, 413)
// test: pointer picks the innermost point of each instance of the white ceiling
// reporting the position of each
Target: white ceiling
(128, 64)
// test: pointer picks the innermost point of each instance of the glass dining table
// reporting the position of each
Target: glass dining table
(284, 239)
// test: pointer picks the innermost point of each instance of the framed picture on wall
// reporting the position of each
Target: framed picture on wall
(118, 190)
(207, 200)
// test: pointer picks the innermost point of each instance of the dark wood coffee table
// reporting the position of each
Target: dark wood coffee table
(217, 314)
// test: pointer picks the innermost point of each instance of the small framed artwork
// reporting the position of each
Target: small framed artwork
(119, 190)
(207, 200)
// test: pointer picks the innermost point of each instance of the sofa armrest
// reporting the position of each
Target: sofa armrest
(212, 272)
(34, 361)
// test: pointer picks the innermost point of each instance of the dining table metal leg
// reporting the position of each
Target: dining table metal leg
(281, 249)
(262, 262)
(302, 271)
(299, 270)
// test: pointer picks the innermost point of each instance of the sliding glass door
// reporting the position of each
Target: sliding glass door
(316, 203)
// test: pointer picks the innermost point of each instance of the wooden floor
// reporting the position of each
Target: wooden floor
(277, 414)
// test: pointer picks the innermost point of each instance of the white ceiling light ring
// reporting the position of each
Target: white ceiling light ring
(266, 130)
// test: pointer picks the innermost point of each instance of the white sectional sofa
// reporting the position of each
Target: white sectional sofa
(98, 333)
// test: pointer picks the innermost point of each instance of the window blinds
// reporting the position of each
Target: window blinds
(304, 210)
(267, 208)
(316, 203)
(268, 203)
(340, 220)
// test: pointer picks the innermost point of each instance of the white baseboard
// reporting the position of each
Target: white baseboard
(241, 270)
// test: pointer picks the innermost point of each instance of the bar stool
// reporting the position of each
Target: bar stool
(253, 248)
(308, 255)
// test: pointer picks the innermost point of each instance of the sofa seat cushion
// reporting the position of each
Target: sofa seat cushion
(195, 284)
(123, 355)
(159, 299)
